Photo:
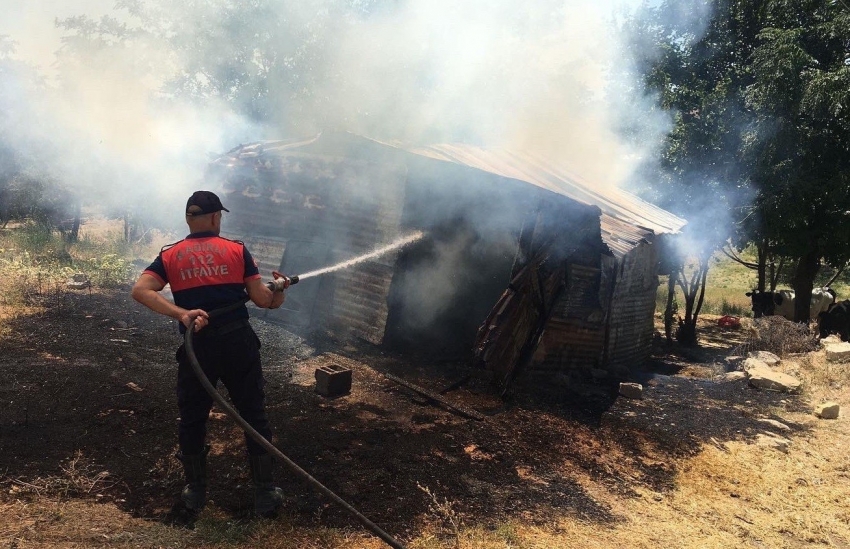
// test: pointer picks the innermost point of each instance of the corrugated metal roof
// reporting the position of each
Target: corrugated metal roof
(538, 171)
(523, 166)
(253, 151)
(620, 236)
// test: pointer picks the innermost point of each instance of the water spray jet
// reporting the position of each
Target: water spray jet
(400, 243)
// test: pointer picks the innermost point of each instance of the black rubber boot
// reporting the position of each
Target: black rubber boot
(185, 511)
(194, 495)
(268, 498)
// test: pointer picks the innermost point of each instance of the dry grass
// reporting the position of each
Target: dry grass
(733, 493)
(75, 524)
(736, 495)
(822, 380)
(79, 478)
(35, 266)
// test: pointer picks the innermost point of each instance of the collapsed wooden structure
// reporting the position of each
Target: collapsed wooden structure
(524, 265)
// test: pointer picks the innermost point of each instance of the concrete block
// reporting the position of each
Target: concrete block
(333, 380)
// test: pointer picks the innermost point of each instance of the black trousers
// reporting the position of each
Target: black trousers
(234, 359)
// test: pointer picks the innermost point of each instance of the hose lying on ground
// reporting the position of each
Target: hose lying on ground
(272, 449)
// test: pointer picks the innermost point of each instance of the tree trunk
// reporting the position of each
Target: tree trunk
(804, 280)
(775, 272)
(703, 265)
(687, 331)
(75, 228)
(668, 310)
(762, 267)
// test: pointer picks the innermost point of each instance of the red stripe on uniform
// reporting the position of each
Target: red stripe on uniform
(203, 262)
(155, 275)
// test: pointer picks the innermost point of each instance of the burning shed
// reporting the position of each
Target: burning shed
(522, 264)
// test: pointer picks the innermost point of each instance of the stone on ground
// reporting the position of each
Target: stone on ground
(767, 379)
(838, 352)
(773, 441)
(754, 364)
(631, 390)
(827, 410)
(765, 356)
(774, 423)
(78, 282)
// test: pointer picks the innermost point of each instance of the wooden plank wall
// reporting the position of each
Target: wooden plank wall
(352, 206)
(632, 317)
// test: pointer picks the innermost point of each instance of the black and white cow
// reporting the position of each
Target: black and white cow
(781, 302)
(836, 320)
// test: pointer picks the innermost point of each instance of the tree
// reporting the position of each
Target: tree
(690, 278)
(801, 136)
(264, 59)
(767, 271)
(28, 191)
(760, 126)
(700, 78)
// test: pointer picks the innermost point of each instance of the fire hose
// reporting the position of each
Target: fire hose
(261, 440)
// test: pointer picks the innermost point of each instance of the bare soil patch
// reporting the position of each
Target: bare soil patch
(88, 410)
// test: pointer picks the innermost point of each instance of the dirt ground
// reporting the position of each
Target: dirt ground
(88, 415)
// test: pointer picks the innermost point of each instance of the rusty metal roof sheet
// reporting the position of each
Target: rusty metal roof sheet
(620, 236)
(543, 173)
(523, 166)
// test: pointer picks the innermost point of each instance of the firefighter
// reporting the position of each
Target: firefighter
(208, 272)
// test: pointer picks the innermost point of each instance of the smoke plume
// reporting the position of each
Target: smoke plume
(125, 113)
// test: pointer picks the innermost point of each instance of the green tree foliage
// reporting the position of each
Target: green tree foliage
(800, 143)
(28, 192)
(257, 64)
(699, 75)
(264, 58)
(760, 101)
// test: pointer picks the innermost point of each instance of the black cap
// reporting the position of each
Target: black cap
(207, 201)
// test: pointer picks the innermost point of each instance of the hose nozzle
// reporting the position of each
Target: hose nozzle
(279, 283)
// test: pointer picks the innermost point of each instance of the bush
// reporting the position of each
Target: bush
(23, 281)
(111, 242)
(107, 271)
(733, 309)
(40, 244)
(35, 262)
(779, 336)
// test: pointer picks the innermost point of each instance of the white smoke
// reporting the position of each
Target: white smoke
(495, 73)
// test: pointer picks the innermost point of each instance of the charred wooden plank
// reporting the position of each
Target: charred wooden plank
(454, 385)
(436, 398)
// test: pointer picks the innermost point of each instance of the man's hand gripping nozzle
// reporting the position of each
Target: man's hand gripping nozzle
(281, 282)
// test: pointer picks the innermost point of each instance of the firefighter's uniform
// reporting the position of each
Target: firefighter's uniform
(209, 272)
